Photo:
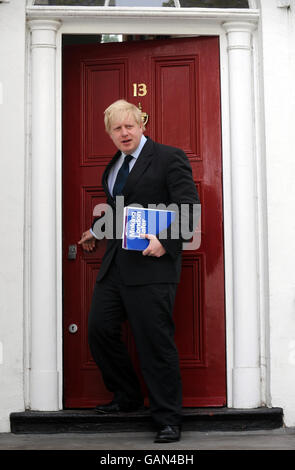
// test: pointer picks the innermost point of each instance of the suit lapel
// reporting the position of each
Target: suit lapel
(143, 161)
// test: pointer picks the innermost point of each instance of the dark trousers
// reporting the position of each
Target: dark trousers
(148, 309)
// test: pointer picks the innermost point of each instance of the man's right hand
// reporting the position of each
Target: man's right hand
(87, 241)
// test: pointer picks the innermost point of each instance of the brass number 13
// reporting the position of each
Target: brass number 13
(139, 89)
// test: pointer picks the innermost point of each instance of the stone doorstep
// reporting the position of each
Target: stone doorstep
(194, 419)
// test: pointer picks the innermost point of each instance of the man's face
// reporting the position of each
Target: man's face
(126, 133)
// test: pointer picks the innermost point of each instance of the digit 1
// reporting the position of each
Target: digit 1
(134, 89)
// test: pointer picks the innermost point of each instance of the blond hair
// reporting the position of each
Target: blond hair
(118, 110)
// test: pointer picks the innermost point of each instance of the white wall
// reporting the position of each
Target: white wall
(278, 43)
(12, 163)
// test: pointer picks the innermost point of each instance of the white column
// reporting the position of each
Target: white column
(43, 374)
(246, 367)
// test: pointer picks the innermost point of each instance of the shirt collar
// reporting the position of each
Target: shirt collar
(136, 152)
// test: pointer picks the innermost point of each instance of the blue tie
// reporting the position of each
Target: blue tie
(122, 176)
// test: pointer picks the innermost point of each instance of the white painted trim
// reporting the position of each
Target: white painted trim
(58, 188)
(65, 13)
(263, 261)
(123, 20)
(27, 236)
(195, 22)
(227, 212)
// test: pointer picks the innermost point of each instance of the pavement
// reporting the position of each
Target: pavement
(267, 440)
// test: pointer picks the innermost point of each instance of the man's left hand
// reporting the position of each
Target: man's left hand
(154, 248)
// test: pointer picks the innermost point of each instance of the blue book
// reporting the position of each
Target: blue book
(139, 221)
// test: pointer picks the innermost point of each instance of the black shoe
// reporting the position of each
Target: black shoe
(168, 434)
(115, 407)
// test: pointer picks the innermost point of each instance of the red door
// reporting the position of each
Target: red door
(176, 83)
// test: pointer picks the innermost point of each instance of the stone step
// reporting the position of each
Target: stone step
(194, 419)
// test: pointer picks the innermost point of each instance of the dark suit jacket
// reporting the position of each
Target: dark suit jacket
(161, 174)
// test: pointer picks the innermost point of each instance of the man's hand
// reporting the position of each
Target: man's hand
(87, 241)
(154, 248)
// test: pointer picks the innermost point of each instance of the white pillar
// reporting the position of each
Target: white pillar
(246, 367)
(43, 373)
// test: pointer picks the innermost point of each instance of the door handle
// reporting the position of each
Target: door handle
(72, 252)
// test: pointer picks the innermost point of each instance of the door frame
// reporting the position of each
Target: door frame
(239, 46)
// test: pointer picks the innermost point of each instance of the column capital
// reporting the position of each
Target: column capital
(44, 32)
(239, 34)
(239, 26)
(44, 24)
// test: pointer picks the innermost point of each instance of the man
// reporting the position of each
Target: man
(140, 286)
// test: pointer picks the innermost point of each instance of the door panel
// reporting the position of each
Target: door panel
(175, 89)
(176, 82)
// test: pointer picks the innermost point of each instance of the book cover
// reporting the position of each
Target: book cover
(139, 221)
